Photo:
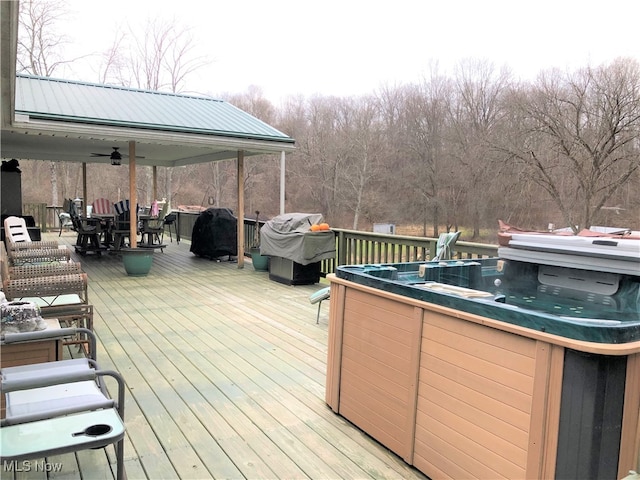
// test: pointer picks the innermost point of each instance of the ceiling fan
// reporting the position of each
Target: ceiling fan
(115, 156)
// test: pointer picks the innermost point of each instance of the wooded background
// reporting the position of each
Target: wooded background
(455, 151)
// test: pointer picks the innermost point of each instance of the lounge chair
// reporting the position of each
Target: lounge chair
(15, 230)
(59, 289)
(38, 256)
(49, 290)
(17, 236)
(59, 407)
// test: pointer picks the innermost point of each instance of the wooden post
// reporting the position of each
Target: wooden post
(84, 189)
(282, 180)
(240, 214)
(155, 184)
(133, 196)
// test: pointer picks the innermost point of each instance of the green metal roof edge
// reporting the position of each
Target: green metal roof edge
(147, 126)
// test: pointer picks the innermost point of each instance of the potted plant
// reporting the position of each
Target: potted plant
(137, 261)
(260, 262)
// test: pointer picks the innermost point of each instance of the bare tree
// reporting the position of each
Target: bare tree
(578, 136)
(40, 46)
(475, 111)
(39, 49)
(315, 173)
(362, 143)
(161, 58)
(421, 158)
(113, 66)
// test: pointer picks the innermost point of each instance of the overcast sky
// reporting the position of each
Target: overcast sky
(352, 47)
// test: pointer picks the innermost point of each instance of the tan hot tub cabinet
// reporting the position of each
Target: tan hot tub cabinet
(455, 394)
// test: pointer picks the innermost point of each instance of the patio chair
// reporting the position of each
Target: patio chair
(48, 291)
(318, 297)
(17, 236)
(35, 271)
(88, 235)
(59, 289)
(38, 256)
(15, 230)
(153, 230)
(446, 241)
(87, 394)
(170, 221)
(121, 228)
(59, 407)
(102, 206)
(47, 284)
(31, 245)
(64, 217)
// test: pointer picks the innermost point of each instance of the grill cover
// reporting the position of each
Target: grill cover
(289, 236)
(215, 233)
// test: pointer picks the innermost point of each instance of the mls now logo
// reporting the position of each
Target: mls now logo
(31, 466)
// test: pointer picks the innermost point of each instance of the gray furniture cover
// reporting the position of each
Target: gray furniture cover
(289, 236)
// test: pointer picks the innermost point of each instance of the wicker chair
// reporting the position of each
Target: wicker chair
(14, 246)
(69, 303)
(34, 271)
(62, 296)
(32, 256)
(17, 236)
(47, 291)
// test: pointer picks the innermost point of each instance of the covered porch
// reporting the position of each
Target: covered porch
(225, 375)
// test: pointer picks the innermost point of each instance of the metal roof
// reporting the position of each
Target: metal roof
(64, 120)
(72, 101)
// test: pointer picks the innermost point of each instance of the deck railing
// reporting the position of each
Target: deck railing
(354, 247)
(39, 213)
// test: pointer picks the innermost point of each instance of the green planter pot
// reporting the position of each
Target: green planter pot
(137, 261)
(260, 262)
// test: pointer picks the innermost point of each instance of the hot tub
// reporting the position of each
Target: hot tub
(496, 368)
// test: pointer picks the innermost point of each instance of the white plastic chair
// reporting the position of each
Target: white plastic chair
(15, 230)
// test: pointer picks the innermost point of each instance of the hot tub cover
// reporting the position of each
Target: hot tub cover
(289, 236)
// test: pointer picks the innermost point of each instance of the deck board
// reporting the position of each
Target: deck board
(225, 374)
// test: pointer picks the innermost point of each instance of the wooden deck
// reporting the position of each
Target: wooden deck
(225, 375)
